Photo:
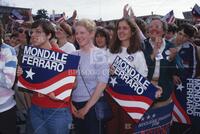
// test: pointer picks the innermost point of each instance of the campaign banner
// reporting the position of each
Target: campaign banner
(130, 90)
(46, 71)
(186, 98)
(155, 121)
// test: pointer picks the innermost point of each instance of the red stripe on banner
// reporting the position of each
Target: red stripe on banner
(134, 109)
(63, 88)
(129, 97)
(177, 117)
(45, 84)
(180, 109)
(67, 99)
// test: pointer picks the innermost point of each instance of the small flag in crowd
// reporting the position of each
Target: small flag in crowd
(47, 71)
(169, 17)
(58, 18)
(16, 16)
(196, 11)
(130, 90)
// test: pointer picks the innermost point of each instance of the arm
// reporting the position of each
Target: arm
(128, 12)
(95, 96)
(7, 77)
(102, 74)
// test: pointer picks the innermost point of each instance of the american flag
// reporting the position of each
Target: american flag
(45, 80)
(16, 16)
(58, 18)
(196, 11)
(127, 97)
(169, 17)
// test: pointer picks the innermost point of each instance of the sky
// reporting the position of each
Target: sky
(106, 9)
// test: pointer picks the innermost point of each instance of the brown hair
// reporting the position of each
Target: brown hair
(46, 26)
(67, 28)
(135, 45)
(104, 33)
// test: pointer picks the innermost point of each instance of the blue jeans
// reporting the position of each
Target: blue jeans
(50, 120)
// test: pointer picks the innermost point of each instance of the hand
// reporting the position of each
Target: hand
(82, 112)
(158, 42)
(74, 15)
(155, 52)
(131, 14)
(74, 110)
(125, 11)
(158, 92)
(19, 71)
(52, 96)
(176, 80)
(112, 70)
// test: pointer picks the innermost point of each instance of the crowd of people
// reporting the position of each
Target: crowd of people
(165, 54)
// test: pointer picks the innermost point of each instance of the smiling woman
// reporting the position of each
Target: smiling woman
(91, 80)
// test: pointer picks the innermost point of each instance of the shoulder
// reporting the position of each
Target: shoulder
(76, 52)
(99, 51)
(139, 55)
(69, 45)
(6, 49)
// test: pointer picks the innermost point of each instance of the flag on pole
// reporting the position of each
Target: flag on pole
(58, 18)
(16, 16)
(169, 17)
(196, 11)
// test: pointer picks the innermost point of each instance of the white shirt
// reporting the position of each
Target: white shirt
(136, 60)
(68, 48)
(156, 73)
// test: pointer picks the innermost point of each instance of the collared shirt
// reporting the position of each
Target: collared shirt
(157, 65)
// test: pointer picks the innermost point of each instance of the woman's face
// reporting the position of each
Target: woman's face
(100, 41)
(60, 33)
(124, 31)
(156, 29)
(83, 36)
(22, 35)
(14, 41)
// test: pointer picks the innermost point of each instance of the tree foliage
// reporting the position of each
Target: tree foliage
(41, 14)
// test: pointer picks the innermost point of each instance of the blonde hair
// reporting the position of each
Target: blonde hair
(87, 23)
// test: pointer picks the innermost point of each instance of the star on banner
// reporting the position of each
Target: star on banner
(30, 74)
(180, 87)
(113, 81)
